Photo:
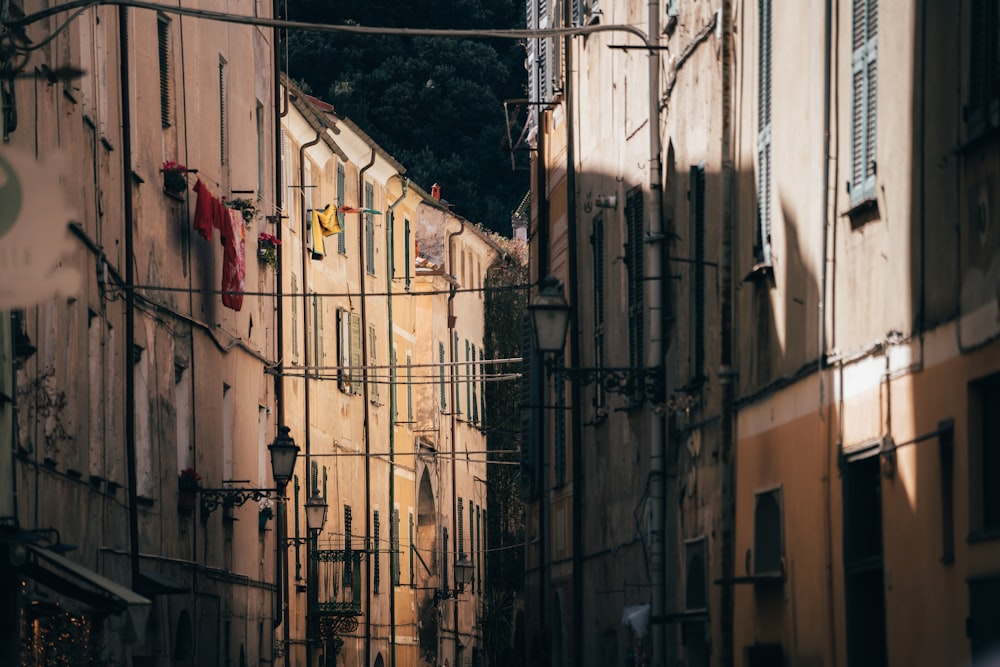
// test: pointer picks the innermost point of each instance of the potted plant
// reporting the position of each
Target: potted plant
(174, 177)
(266, 513)
(267, 249)
(188, 485)
(247, 207)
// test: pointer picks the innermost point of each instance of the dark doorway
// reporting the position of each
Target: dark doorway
(863, 568)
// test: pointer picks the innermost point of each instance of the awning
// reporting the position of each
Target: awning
(80, 583)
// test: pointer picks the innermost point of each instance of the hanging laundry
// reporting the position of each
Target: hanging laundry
(355, 209)
(234, 261)
(204, 211)
(324, 223)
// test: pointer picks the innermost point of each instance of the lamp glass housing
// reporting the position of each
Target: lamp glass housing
(549, 316)
(283, 453)
(316, 512)
(463, 570)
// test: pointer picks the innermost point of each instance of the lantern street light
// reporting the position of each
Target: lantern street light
(283, 453)
(315, 512)
(549, 316)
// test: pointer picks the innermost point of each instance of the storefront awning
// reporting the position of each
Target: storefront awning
(80, 583)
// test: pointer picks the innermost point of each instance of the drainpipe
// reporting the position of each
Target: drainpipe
(576, 403)
(454, 414)
(281, 612)
(657, 349)
(133, 510)
(311, 582)
(727, 561)
(389, 257)
(367, 436)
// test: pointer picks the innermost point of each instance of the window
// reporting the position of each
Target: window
(984, 610)
(559, 419)
(634, 263)
(369, 230)
(768, 551)
(406, 251)
(295, 318)
(444, 393)
(222, 111)
(454, 378)
(984, 66)
(394, 547)
(984, 455)
(864, 89)
(348, 575)
(371, 376)
(143, 426)
(342, 236)
(348, 352)
(163, 51)
(762, 248)
(378, 552)
(473, 380)
(409, 386)
(468, 378)
(461, 528)
(482, 384)
(260, 149)
(597, 271)
(318, 337)
(697, 268)
(695, 576)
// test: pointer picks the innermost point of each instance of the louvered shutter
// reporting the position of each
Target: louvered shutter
(163, 52)
(461, 527)
(376, 553)
(634, 262)
(369, 229)
(762, 250)
(372, 373)
(444, 393)
(342, 235)
(864, 92)
(357, 360)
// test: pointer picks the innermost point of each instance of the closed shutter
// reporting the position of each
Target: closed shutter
(348, 579)
(163, 52)
(444, 393)
(461, 527)
(864, 93)
(357, 361)
(454, 378)
(369, 229)
(762, 249)
(597, 271)
(697, 269)
(222, 111)
(371, 373)
(342, 235)
(634, 264)
(376, 552)
(468, 378)
(394, 546)
(295, 317)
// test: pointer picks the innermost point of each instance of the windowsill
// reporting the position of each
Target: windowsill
(760, 273)
(862, 212)
(983, 535)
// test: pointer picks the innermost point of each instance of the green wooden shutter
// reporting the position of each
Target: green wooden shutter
(468, 377)
(376, 552)
(370, 229)
(342, 236)
(406, 245)
(454, 378)
(634, 260)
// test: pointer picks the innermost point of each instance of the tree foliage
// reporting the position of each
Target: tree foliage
(434, 103)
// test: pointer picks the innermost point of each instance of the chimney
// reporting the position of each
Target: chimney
(436, 191)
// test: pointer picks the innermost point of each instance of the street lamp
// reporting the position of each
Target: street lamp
(549, 321)
(315, 512)
(283, 453)
(549, 316)
(463, 571)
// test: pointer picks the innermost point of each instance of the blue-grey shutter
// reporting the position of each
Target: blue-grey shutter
(342, 236)
(762, 251)
(864, 91)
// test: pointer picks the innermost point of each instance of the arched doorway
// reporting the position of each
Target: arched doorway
(426, 532)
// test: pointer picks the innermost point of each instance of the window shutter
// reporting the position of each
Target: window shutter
(409, 386)
(482, 385)
(697, 186)
(472, 535)
(370, 229)
(634, 262)
(357, 361)
(342, 235)
(530, 388)
(454, 378)
(762, 251)
(376, 552)
(313, 478)
(461, 527)
(410, 548)
(473, 380)
(597, 271)
(444, 393)
(295, 318)
(163, 51)
(394, 546)
(348, 553)
(371, 373)
(864, 92)
(393, 401)
(222, 110)
(468, 378)
(559, 419)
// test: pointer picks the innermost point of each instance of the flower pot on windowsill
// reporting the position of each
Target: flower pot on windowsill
(262, 518)
(185, 500)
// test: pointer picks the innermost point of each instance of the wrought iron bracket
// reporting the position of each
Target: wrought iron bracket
(331, 625)
(635, 381)
(212, 499)
(294, 541)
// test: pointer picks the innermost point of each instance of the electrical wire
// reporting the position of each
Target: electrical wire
(348, 295)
